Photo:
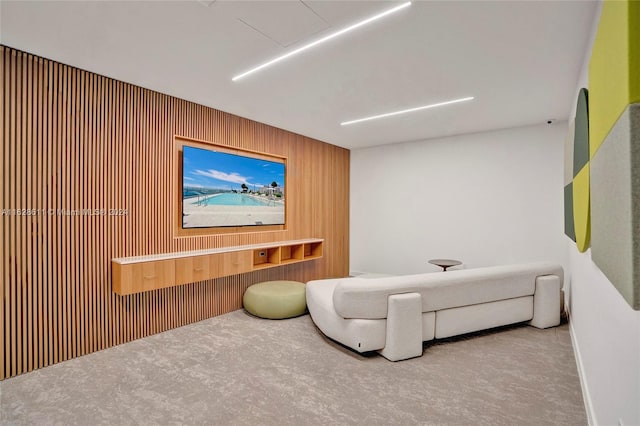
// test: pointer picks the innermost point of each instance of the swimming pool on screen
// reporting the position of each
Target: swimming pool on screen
(232, 199)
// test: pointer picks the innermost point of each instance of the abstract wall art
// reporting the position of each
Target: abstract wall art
(576, 176)
(614, 148)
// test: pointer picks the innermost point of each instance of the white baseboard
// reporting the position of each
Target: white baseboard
(588, 405)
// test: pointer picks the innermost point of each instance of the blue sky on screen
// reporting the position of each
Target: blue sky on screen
(211, 169)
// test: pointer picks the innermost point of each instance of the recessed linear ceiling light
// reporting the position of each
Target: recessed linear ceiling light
(389, 114)
(322, 40)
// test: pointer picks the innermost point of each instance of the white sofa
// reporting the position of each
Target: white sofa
(394, 315)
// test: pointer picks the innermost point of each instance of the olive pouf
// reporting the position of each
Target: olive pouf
(276, 299)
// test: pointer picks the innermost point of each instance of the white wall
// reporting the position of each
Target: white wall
(486, 199)
(606, 335)
(459, 197)
(605, 330)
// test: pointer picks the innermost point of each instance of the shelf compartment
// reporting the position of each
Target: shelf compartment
(292, 253)
(313, 250)
(266, 257)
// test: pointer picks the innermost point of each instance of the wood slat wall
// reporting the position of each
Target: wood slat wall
(75, 140)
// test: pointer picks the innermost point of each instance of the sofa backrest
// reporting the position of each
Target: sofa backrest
(367, 298)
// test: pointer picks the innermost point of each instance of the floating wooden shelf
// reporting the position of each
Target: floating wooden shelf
(143, 273)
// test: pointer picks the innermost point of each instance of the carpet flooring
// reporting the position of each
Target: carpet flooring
(236, 369)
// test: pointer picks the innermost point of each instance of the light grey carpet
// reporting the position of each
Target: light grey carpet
(239, 370)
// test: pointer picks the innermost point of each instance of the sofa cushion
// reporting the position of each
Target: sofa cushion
(367, 298)
(466, 319)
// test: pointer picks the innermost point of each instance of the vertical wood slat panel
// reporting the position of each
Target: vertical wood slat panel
(47, 200)
(11, 283)
(3, 241)
(23, 197)
(37, 105)
(76, 142)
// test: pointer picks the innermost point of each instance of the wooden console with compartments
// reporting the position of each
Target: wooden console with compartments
(143, 273)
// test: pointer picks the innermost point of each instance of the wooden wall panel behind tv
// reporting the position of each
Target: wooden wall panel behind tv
(75, 140)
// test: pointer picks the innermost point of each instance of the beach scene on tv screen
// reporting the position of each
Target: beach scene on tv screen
(222, 190)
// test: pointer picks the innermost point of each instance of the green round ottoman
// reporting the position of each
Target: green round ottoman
(276, 299)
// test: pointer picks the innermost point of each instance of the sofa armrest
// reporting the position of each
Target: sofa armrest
(546, 302)
(404, 327)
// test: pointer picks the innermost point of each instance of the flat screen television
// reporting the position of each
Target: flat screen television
(222, 189)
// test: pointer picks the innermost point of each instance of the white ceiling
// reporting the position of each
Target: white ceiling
(519, 59)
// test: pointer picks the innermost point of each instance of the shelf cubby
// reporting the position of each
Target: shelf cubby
(266, 257)
(292, 253)
(313, 250)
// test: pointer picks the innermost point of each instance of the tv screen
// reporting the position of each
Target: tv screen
(220, 189)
